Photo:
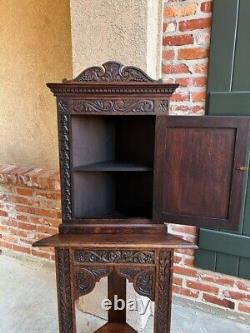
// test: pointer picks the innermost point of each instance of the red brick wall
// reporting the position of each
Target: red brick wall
(186, 37)
(29, 208)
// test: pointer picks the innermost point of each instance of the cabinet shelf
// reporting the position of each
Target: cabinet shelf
(113, 166)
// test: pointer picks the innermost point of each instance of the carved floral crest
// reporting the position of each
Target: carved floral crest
(112, 71)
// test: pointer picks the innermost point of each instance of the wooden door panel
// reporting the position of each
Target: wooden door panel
(196, 176)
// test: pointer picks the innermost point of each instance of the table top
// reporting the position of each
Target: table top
(153, 241)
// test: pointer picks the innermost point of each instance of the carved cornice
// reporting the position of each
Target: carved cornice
(114, 256)
(73, 89)
(142, 279)
(113, 71)
(113, 105)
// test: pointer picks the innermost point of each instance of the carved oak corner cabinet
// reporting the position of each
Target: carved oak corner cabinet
(126, 168)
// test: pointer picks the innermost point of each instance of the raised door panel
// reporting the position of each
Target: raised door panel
(198, 170)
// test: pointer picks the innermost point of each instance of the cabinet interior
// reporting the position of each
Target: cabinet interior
(112, 166)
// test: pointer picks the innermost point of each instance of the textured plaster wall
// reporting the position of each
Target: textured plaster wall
(35, 48)
(127, 31)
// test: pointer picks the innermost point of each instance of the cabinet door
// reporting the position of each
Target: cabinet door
(200, 164)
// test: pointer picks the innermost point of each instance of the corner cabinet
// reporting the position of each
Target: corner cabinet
(127, 165)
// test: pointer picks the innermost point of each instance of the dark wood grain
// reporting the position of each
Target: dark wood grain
(116, 241)
(198, 181)
(163, 292)
(116, 286)
(66, 301)
(116, 328)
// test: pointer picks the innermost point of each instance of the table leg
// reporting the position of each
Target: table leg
(163, 292)
(117, 286)
(66, 303)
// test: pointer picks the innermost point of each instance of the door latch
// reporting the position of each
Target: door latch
(242, 168)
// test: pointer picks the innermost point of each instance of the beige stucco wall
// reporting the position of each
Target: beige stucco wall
(128, 31)
(35, 48)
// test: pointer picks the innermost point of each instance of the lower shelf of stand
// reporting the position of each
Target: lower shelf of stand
(116, 328)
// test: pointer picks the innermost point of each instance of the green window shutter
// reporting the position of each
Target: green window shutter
(229, 94)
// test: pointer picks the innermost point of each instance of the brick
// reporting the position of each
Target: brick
(185, 271)
(48, 195)
(177, 281)
(195, 24)
(218, 301)
(22, 249)
(4, 229)
(173, 69)
(44, 221)
(201, 68)
(177, 259)
(203, 287)
(26, 226)
(188, 262)
(184, 9)
(10, 238)
(218, 280)
(9, 222)
(41, 254)
(206, 6)
(23, 218)
(199, 96)
(46, 230)
(169, 27)
(178, 40)
(168, 55)
(243, 285)
(180, 97)
(185, 292)
(202, 37)
(22, 200)
(192, 53)
(38, 211)
(6, 245)
(244, 307)
(3, 213)
(239, 296)
(24, 191)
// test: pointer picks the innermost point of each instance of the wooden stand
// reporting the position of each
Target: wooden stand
(146, 261)
(126, 169)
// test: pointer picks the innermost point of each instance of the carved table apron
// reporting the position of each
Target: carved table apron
(144, 260)
(78, 270)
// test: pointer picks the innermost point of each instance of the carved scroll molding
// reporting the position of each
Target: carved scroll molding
(64, 151)
(114, 256)
(86, 278)
(142, 279)
(163, 293)
(114, 105)
(65, 301)
(113, 71)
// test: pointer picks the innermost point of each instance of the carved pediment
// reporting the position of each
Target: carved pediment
(112, 71)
